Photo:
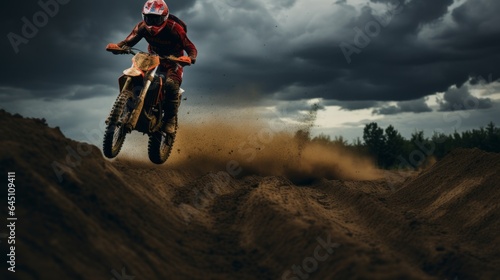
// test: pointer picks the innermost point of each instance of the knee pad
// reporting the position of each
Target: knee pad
(172, 86)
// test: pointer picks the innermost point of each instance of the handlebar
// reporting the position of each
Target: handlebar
(115, 49)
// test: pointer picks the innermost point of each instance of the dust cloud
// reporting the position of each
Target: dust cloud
(267, 149)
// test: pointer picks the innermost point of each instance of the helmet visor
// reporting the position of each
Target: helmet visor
(154, 20)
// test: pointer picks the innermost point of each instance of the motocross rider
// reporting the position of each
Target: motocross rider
(165, 37)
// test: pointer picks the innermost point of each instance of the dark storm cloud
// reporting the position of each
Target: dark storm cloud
(461, 99)
(400, 59)
(299, 105)
(286, 50)
(407, 60)
(412, 106)
(297, 110)
(352, 105)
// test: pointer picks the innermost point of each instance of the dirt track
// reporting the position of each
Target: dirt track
(162, 223)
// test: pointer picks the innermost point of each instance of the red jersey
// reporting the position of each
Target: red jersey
(172, 40)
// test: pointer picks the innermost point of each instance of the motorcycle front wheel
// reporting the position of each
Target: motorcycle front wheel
(160, 146)
(115, 133)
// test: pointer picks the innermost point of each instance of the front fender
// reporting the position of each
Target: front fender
(135, 86)
(133, 72)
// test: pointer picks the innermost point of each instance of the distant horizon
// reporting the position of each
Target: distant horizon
(91, 134)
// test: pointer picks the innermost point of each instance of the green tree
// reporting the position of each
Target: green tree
(340, 141)
(374, 139)
(394, 146)
(493, 137)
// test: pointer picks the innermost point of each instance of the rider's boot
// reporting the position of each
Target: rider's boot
(170, 106)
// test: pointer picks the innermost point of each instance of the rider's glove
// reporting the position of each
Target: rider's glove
(115, 49)
(193, 60)
(126, 49)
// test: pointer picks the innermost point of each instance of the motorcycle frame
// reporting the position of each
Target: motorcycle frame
(146, 77)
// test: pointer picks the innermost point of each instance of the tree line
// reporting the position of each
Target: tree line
(391, 150)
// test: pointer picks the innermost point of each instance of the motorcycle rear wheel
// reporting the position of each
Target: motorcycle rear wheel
(115, 133)
(160, 146)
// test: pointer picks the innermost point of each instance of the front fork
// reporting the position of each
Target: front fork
(127, 86)
(140, 102)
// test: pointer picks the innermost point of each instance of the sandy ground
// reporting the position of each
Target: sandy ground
(306, 213)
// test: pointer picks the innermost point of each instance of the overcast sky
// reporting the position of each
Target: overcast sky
(419, 64)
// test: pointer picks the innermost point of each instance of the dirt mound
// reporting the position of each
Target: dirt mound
(83, 217)
(459, 198)
(78, 217)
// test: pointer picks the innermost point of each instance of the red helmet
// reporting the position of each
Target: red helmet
(155, 14)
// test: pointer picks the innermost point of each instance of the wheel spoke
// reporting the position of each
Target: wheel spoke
(117, 135)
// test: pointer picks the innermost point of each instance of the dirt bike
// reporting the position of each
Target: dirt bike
(139, 105)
